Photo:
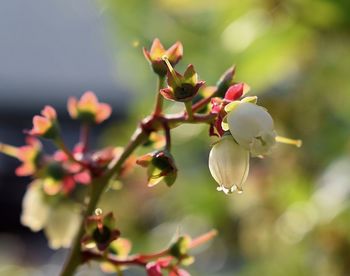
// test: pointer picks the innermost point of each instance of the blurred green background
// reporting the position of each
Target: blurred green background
(293, 217)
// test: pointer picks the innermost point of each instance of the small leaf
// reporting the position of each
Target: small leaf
(252, 99)
(231, 106)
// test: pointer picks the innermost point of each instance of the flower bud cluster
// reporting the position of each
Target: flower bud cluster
(246, 129)
(62, 177)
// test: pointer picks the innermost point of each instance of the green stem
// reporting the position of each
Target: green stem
(188, 105)
(158, 108)
(97, 188)
(74, 258)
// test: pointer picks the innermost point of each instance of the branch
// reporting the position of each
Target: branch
(143, 259)
(197, 106)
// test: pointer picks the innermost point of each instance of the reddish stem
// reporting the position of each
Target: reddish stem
(167, 136)
(181, 118)
(84, 136)
(155, 255)
(89, 255)
(132, 260)
(203, 238)
(62, 146)
(143, 259)
(197, 106)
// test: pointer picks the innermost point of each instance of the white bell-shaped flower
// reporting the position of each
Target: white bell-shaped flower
(250, 125)
(229, 164)
(62, 225)
(35, 210)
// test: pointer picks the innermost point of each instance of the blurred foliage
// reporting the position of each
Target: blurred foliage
(293, 218)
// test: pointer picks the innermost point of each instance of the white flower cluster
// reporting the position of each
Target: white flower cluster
(249, 131)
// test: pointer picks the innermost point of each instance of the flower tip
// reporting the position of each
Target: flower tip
(179, 47)
(49, 112)
(146, 53)
(72, 107)
(156, 41)
(89, 97)
(299, 143)
(157, 47)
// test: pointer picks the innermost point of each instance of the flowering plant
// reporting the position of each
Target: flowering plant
(63, 198)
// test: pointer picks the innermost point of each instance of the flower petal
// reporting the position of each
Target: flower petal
(247, 121)
(175, 52)
(35, 211)
(157, 49)
(72, 106)
(167, 93)
(103, 113)
(62, 225)
(49, 112)
(229, 163)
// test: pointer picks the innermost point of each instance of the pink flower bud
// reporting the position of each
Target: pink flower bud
(45, 125)
(88, 108)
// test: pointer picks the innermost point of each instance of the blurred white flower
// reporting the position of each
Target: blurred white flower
(35, 211)
(60, 221)
(332, 193)
(229, 164)
(250, 125)
(62, 225)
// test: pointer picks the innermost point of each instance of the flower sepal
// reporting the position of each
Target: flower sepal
(181, 88)
(45, 125)
(31, 156)
(157, 51)
(160, 167)
(225, 81)
(100, 231)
